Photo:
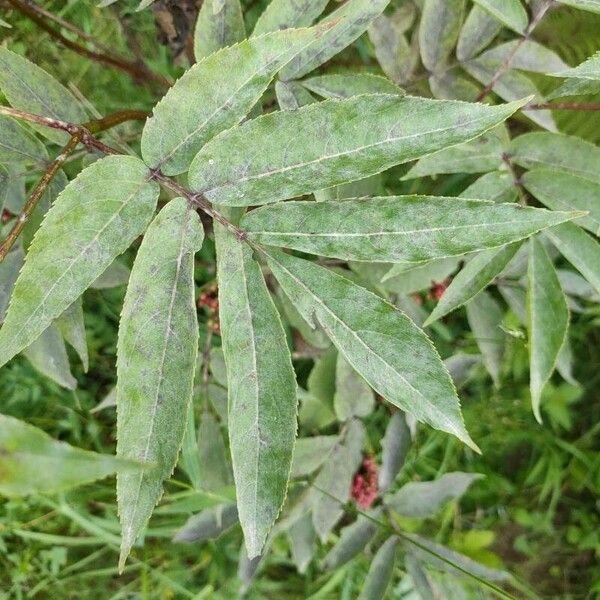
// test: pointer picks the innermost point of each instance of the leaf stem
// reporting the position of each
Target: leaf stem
(86, 137)
(506, 64)
(139, 72)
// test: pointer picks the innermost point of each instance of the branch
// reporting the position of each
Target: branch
(87, 139)
(563, 106)
(37, 194)
(509, 59)
(138, 72)
(78, 134)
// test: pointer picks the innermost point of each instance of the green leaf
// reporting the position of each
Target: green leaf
(48, 355)
(496, 186)
(310, 453)
(116, 274)
(301, 536)
(351, 84)
(441, 21)
(564, 191)
(93, 220)
(509, 12)
(220, 23)
(353, 540)
(548, 321)
(460, 367)
(18, 145)
(479, 30)
(485, 317)
(9, 271)
(342, 27)
(448, 560)
(580, 249)
(189, 460)
(583, 79)
(214, 458)
(477, 156)
(202, 103)
(332, 484)
(343, 140)
(71, 326)
(262, 389)
(34, 463)
(448, 85)
(284, 14)
(394, 448)
(208, 524)
(29, 88)
(396, 228)
(407, 278)
(525, 55)
(381, 571)
(156, 358)
(558, 152)
(424, 499)
(291, 95)
(384, 346)
(397, 57)
(477, 274)
(353, 396)
(589, 5)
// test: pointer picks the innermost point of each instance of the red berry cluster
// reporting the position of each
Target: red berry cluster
(6, 216)
(209, 300)
(364, 485)
(437, 289)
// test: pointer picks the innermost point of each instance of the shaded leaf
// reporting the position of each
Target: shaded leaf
(394, 448)
(9, 271)
(310, 453)
(381, 571)
(291, 95)
(283, 14)
(220, 23)
(547, 323)
(496, 186)
(557, 151)
(261, 386)
(34, 463)
(215, 470)
(156, 358)
(475, 276)
(478, 31)
(341, 28)
(407, 372)
(302, 537)
(18, 145)
(460, 366)
(348, 85)
(115, 275)
(49, 356)
(580, 249)
(589, 5)
(353, 396)
(441, 21)
(93, 220)
(332, 484)
(564, 191)
(208, 525)
(485, 317)
(353, 540)
(423, 499)
(71, 327)
(395, 228)
(525, 55)
(509, 12)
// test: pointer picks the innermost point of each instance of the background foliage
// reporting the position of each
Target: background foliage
(533, 513)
